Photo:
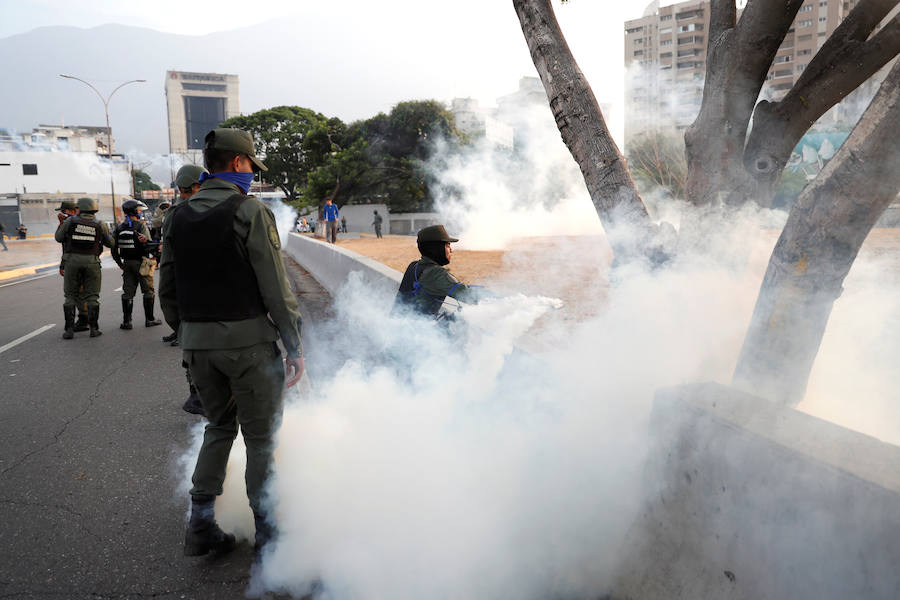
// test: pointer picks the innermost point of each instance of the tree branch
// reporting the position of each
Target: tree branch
(722, 17)
(579, 119)
(823, 234)
(845, 61)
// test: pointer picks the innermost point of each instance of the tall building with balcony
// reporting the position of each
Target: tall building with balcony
(665, 60)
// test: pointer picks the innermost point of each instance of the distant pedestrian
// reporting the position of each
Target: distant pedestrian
(3, 235)
(330, 214)
(377, 224)
(21, 231)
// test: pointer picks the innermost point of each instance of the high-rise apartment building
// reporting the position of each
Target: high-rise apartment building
(197, 103)
(665, 59)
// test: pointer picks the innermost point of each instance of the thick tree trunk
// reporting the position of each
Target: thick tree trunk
(738, 59)
(584, 131)
(820, 241)
(845, 61)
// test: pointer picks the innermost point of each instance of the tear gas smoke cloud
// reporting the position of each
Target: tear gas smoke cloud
(427, 465)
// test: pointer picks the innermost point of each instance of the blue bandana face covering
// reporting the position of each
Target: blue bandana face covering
(242, 180)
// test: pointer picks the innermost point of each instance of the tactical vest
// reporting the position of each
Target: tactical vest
(413, 296)
(127, 242)
(83, 236)
(213, 276)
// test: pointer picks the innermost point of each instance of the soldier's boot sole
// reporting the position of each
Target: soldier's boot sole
(152, 323)
(213, 539)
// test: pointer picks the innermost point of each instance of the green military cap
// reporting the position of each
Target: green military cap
(67, 205)
(188, 175)
(234, 140)
(434, 233)
(87, 205)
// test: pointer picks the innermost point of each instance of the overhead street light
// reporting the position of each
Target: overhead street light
(105, 101)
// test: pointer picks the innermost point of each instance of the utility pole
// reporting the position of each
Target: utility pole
(105, 101)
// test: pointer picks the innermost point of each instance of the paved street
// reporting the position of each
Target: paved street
(91, 434)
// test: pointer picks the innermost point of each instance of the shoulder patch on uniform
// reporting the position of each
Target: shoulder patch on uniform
(273, 237)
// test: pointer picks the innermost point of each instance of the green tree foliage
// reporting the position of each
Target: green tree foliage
(789, 188)
(383, 158)
(292, 141)
(142, 182)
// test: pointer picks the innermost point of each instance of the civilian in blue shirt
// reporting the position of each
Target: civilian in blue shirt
(330, 214)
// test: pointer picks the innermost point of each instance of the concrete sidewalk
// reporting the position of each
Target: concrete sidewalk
(27, 257)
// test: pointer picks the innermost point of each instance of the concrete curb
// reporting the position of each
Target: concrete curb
(24, 271)
(331, 265)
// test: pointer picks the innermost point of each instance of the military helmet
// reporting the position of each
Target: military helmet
(188, 175)
(67, 205)
(87, 205)
(131, 207)
(434, 233)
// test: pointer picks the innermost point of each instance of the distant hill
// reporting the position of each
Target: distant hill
(342, 70)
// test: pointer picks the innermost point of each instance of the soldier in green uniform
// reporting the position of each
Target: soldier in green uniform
(187, 180)
(222, 271)
(83, 236)
(68, 208)
(427, 282)
(131, 252)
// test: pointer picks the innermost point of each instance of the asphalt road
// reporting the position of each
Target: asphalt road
(91, 433)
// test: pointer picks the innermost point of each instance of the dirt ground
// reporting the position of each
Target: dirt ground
(574, 269)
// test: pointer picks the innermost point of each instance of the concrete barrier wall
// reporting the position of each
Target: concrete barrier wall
(748, 500)
(331, 265)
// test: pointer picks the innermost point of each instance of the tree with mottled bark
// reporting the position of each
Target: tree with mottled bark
(728, 163)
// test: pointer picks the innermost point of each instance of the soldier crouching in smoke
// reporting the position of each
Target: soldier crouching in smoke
(427, 282)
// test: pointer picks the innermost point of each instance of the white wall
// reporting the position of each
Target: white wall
(62, 172)
(747, 500)
(360, 217)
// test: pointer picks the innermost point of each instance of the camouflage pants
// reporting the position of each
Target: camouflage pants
(237, 386)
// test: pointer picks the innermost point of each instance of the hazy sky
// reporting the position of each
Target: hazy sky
(404, 35)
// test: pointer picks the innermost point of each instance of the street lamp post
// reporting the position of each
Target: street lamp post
(105, 101)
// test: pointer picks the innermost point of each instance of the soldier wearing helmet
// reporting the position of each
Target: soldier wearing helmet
(83, 238)
(68, 208)
(132, 253)
(427, 282)
(187, 180)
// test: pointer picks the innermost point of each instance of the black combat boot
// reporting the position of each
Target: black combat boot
(81, 323)
(69, 313)
(127, 307)
(203, 534)
(93, 320)
(265, 531)
(170, 338)
(149, 319)
(193, 404)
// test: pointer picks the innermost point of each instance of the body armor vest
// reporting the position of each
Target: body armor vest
(412, 295)
(213, 276)
(84, 236)
(127, 242)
